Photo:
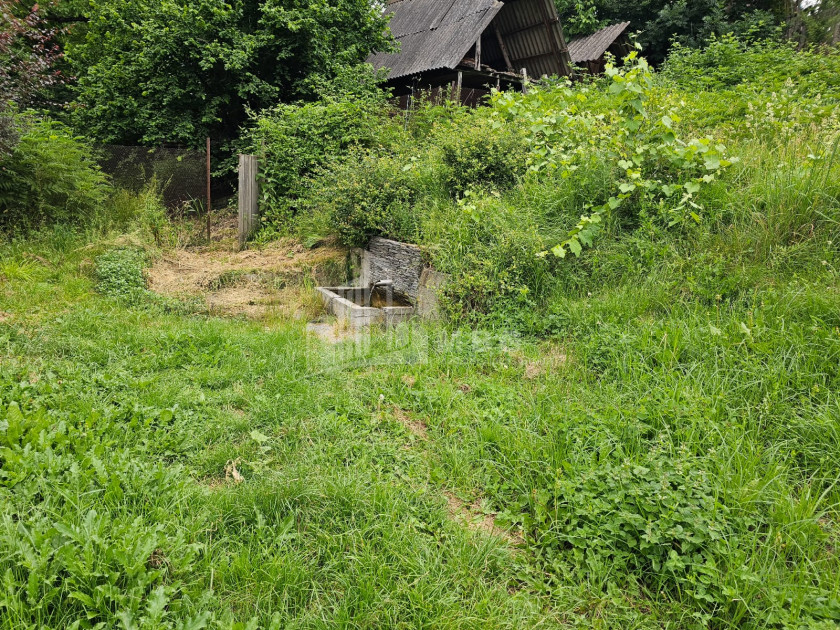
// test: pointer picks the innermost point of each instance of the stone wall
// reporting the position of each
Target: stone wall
(389, 260)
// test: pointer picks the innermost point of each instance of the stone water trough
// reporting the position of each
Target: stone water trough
(393, 286)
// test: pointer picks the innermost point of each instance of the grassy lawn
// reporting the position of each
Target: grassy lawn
(373, 472)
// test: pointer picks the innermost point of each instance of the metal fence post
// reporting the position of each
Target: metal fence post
(209, 197)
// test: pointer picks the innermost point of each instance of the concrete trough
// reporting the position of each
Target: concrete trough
(349, 304)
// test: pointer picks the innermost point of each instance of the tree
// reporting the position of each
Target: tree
(819, 22)
(691, 22)
(579, 17)
(28, 53)
(175, 71)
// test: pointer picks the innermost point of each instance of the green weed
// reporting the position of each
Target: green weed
(120, 274)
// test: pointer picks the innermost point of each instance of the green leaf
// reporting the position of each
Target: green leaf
(199, 622)
(259, 437)
(82, 597)
(156, 603)
(559, 251)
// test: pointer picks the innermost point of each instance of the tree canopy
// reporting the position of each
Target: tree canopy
(28, 54)
(692, 22)
(175, 71)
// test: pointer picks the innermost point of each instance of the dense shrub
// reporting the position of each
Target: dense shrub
(478, 151)
(50, 176)
(435, 153)
(728, 61)
(294, 140)
(153, 72)
(490, 253)
(367, 195)
(514, 200)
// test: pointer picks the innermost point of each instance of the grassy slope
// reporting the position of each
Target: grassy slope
(341, 520)
(336, 523)
(710, 354)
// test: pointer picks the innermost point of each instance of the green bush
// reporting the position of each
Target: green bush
(490, 254)
(367, 195)
(295, 140)
(507, 198)
(49, 177)
(728, 61)
(478, 151)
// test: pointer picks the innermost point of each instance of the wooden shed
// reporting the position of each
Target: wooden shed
(472, 44)
(590, 52)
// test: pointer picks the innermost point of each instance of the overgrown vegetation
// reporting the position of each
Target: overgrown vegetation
(637, 378)
(48, 176)
(120, 274)
(631, 154)
(661, 23)
(293, 141)
(176, 71)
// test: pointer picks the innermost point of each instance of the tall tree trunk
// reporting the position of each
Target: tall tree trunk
(795, 24)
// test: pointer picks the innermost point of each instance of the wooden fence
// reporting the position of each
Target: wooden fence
(249, 193)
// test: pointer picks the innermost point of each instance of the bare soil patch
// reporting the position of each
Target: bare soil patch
(275, 279)
(532, 370)
(476, 519)
(232, 473)
(554, 356)
(417, 427)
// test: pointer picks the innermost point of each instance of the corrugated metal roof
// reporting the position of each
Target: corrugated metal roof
(593, 47)
(433, 34)
(437, 34)
(534, 37)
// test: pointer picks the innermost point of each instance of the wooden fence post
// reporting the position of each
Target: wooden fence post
(249, 193)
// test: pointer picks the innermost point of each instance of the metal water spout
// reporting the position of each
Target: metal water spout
(374, 285)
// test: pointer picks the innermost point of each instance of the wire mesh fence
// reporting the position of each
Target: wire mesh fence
(179, 173)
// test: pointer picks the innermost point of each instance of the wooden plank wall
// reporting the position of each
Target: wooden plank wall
(249, 193)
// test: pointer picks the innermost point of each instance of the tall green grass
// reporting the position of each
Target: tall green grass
(656, 423)
(120, 421)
